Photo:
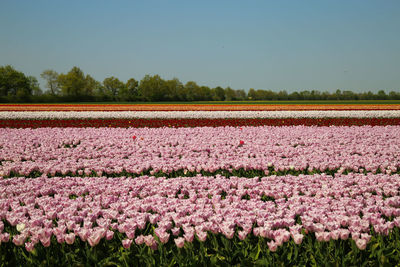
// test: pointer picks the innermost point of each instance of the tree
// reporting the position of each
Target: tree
(229, 94)
(252, 94)
(282, 95)
(13, 81)
(152, 88)
(218, 94)
(394, 95)
(112, 87)
(130, 91)
(76, 86)
(34, 85)
(174, 90)
(52, 82)
(338, 94)
(192, 91)
(294, 96)
(382, 95)
(348, 95)
(92, 87)
(316, 95)
(14, 85)
(73, 84)
(240, 94)
(205, 93)
(265, 95)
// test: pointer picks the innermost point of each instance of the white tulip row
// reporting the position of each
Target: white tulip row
(199, 114)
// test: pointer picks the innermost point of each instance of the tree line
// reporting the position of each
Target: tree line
(75, 86)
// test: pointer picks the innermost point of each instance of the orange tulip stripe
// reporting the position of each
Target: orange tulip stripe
(188, 107)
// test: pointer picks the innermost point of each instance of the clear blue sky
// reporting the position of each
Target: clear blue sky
(288, 44)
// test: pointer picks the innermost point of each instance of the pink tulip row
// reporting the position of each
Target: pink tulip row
(80, 151)
(278, 208)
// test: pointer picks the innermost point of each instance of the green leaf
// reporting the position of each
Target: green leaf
(289, 255)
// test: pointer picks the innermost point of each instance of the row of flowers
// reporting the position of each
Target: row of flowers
(188, 107)
(199, 114)
(275, 208)
(156, 123)
(81, 151)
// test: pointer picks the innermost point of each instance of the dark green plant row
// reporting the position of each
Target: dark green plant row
(217, 250)
(185, 173)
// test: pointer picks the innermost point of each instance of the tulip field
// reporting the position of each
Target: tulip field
(197, 186)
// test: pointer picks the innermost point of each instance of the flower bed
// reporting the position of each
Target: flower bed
(157, 123)
(169, 214)
(140, 119)
(291, 195)
(171, 150)
(285, 114)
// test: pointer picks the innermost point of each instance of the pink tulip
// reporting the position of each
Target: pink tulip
(242, 235)
(94, 238)
(180, 242)
(45, 241)
(189, 236)
(70, 238)
(202, 235)
(19, 240)
(130, 234)
(319, 236)
(126, 243)
(5, 237)
(109, 235)
(272, 246)
(149, 240)
(298, 238)
(139, 240)
(361, 243)
(29, 246)
(83, 234)
(164, 237)
(175, 231)
(335, 234)
(60, 238)
(344, 234)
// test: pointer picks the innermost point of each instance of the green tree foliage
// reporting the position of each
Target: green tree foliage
(34, 85)
(240, 94)
(218, 94)
(93, 87)
(229, 94)
(382, 94)
(282, 95)
(191, 91)
(14, 85)
(113, 88)
(252, 94)
(73, 84)
(174, 90)
(152, 88)
(205, 93)
(52, 82)
(129, 92)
